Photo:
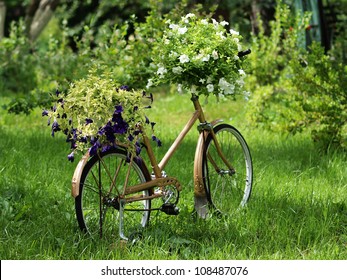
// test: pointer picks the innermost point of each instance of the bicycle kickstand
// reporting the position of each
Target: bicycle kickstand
(121, 219)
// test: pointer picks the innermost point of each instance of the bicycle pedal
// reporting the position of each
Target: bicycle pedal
(170, 209)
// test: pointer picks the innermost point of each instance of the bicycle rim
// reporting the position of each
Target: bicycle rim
(102, 181)
(227, 189)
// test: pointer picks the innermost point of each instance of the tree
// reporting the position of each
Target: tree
(2, 18)
(37, 14)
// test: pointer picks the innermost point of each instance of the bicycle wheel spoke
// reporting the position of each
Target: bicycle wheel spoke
(102, 181)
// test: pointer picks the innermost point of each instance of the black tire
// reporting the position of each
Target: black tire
(226, 189)
(97, 209)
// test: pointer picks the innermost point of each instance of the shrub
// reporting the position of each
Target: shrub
(295, 89)
(17, 63)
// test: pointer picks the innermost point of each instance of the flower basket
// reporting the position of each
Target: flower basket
(201, 56)
(96, 114)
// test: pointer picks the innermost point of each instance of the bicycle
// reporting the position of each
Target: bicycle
(110, 188)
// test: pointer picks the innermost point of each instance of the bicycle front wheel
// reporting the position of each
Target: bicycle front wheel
(102, 182)
(227, 174)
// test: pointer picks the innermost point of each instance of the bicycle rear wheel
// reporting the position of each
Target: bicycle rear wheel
(227, 188)
(102, 181)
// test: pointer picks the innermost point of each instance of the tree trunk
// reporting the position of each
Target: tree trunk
(254, 16)
(2, 18)
(42, 16)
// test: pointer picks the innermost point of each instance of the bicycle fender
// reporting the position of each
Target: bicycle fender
(76, 178)
(200, 199)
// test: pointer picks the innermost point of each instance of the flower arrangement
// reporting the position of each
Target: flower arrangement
(199, 55)
(96, 113)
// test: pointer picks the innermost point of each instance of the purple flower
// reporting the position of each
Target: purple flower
(154, 138)
(44, 113)
(118, 109)
(83, 139)
(93, 140)
(71, 157)
(130, 137)
(120, 126)
(57, 92)
(124, 87)
(94, 149)
(88, 121)
(55, 127)
(105, 148)
(137, 148)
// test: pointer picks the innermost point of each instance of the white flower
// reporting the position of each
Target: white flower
(202, 81)
(215, 23)
(161, 71)
(167, 42)
(177, 70)
(239, 47)
(184, 58)
(173, 54)
(234, 32)
(149, 83)
(206, 58)
(179, 88)
(224, 23)
(174, 26)
(221, 35)
(204, 21)
(215, 55)
(190, 15)
(182, 30)
(210, 88)
(246, 95)
(242, 73)
(236, 40)
(225, 86)
(236, 57)
(186, 17)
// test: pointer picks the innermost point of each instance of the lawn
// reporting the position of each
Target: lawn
(297, 210)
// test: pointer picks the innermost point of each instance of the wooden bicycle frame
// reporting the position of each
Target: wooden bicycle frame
(199, 189)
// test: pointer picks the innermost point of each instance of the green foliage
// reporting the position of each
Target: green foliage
(17, 62)
(96, 112)
(199, 55)
(294, 89)
(321, 88)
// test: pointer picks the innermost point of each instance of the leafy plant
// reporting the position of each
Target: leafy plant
(96, 114)
(294, 89)
(17, 64)
(199, 55)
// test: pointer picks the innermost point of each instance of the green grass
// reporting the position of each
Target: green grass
(297, 210)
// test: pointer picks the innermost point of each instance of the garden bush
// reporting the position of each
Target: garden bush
(295, 89)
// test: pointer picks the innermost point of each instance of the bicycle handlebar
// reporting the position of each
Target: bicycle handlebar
(244, 53)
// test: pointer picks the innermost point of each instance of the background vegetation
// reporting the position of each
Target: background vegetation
(298, 208)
